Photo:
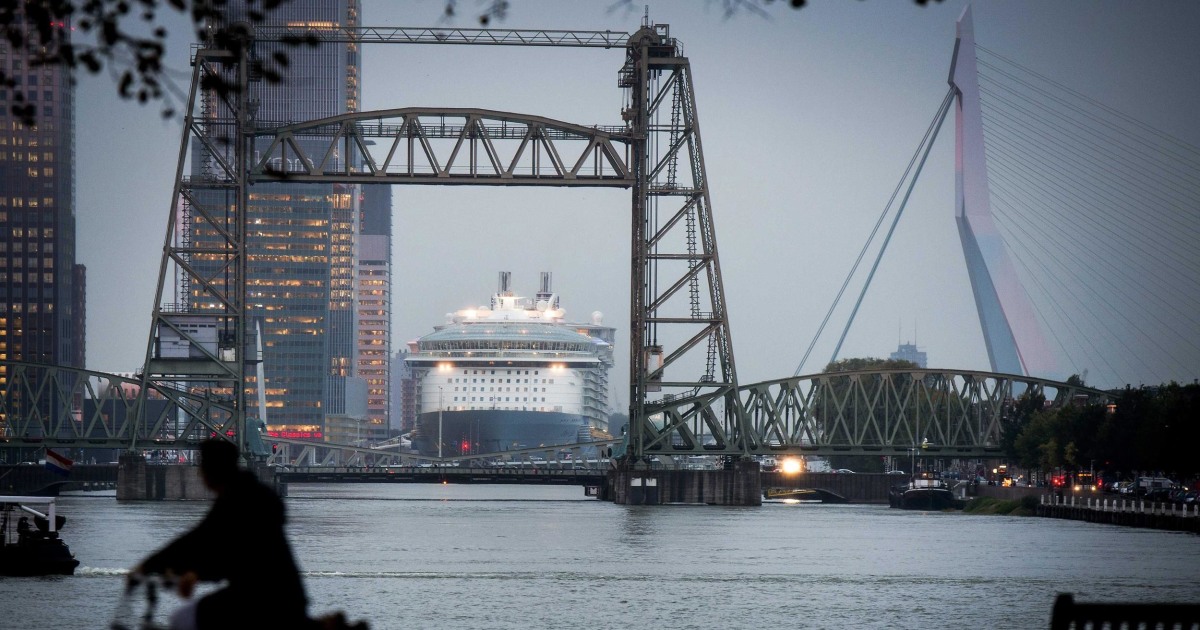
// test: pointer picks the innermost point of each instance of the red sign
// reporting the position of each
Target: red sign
(297, 435)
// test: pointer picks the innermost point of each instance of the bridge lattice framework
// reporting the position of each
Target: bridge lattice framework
(876, 412)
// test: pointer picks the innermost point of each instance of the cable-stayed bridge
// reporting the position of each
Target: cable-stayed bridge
(686, 398)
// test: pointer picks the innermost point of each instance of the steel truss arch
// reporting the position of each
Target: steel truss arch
(875, 412)
(47, 405)
(480, 147)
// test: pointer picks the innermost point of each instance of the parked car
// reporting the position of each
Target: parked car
(844, 471)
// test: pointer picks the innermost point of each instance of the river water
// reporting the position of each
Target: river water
(523, 557)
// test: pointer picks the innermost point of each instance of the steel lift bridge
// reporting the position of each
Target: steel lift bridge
(684, 391)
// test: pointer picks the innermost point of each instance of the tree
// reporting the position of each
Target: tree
(125, 37)
(855, 364)
(1015, 419)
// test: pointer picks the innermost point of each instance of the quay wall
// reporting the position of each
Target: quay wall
(739, 486)
(854, 487)
(1127, 512)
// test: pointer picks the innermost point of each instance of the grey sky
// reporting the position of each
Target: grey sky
(808, 120)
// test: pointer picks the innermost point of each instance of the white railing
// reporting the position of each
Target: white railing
(1138, 506)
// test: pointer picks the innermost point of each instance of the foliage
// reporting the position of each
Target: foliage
(867, 363)
(1015, 419)
(1025, 506)
(126, 38)
(1147, 429)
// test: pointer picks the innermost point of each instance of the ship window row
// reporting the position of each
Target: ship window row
(484, 389)
(505, 345)
(506, 399)
(480, 380)
(557, 408)
(535, 372)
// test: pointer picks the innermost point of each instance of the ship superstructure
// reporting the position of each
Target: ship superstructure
(511, 375)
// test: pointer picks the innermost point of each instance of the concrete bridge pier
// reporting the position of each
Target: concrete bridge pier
(138, 480)
(739, 485)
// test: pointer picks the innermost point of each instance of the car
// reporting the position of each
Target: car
(844, 471)
(897, 472)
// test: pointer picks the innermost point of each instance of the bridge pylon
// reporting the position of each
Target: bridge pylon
(679, 324)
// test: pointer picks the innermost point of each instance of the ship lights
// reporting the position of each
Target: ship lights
(790, 466)
(445, 366)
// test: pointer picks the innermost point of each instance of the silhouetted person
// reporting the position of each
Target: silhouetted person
(241, 541)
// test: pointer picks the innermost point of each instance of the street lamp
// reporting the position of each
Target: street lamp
(440, 399)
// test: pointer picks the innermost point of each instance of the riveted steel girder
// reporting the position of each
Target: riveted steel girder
(680, 326)
(878, 412)
(886, 412)
(45, 405)
(449, 146)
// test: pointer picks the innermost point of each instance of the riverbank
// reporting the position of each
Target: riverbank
(1126, 512)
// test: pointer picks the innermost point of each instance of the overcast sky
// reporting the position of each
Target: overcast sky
(808, 119)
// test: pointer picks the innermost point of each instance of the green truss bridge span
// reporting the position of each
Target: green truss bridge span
(884, 412)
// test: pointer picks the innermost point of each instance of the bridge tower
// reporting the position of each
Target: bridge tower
(1011, 333)
(679, 323)
(198, 337)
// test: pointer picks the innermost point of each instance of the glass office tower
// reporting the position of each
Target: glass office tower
(301, 238)
(41, 286)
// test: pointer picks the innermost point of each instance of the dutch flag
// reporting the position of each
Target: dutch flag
(58, 463)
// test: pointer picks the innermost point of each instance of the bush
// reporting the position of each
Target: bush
(1025, 506)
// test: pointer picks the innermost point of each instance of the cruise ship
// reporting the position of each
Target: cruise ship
(511, 375)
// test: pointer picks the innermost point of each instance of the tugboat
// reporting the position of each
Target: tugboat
(32, 550)
(924, 492)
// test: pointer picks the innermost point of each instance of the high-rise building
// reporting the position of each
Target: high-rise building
(909, 352)
(374, 294)
(301, 238)
(404, 393)
(41, 286)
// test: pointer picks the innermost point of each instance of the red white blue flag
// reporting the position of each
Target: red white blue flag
(58, 463)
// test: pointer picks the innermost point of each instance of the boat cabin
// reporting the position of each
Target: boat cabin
(29, 538)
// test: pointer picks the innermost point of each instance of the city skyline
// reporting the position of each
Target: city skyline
(797, 172)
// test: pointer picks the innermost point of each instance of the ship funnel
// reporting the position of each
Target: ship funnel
(545, 297)
(505, 280)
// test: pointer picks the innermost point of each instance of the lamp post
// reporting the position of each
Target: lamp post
(440, 398)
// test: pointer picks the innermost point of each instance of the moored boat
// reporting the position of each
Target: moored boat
(923, 492)
(33, 549)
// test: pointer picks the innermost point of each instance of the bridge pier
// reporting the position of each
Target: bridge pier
(737, 486)
(138, 480)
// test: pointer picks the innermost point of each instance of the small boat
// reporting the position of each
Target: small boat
(33, 549)
(923, 492)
